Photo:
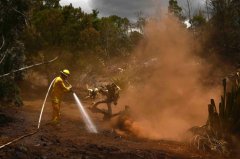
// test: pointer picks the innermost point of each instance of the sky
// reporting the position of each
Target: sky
(128, 8)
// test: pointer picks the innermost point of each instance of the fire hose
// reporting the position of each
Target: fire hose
(39, 121)
(87, 120)
(19, 138)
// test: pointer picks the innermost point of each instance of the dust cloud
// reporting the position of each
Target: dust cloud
(171, 97)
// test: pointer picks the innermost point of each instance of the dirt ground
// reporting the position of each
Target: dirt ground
(71, 140)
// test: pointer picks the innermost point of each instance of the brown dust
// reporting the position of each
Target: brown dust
(171, 98)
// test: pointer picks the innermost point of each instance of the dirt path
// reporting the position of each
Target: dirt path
(71, 140)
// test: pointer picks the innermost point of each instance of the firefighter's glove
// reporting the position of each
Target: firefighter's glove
(71, 89)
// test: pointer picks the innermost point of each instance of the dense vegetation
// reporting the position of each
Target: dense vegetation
(224, 29)
(32, 31)
(12, 50)
(72, 29)
(36, 30)
(217, 27)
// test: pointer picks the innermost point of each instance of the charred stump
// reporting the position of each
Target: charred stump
(222, 124)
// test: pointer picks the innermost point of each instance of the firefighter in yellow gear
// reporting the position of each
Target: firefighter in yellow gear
(58, 89)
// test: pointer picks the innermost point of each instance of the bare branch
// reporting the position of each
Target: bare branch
(25, 17)
(3, 57)
(207, 8)
(3, 43)
(189, 7)
(28, 67)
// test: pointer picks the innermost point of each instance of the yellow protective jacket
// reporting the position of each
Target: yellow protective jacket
(58, 89)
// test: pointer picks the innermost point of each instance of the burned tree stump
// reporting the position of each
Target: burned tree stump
(229, 111)
(224, 123)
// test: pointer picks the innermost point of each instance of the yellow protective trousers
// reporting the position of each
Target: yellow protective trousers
(56, 104)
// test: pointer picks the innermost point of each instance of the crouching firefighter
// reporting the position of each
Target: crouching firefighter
(59, 88)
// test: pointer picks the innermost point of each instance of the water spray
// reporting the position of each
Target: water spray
(91, 127)
(86, 118)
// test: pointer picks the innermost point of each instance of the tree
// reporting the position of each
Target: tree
(89, 39)
(135, 37)
(224, 27)
(77, 33)
(141, 22)
(49, 24)
(114, 35)
(12, 22)
(51, 3)
(175, 9)
(198, 20)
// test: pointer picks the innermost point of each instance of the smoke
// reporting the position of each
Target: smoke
(171, 97)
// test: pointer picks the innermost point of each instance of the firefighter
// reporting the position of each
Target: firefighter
(59, 88)
(124, 121)
(111, 91)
